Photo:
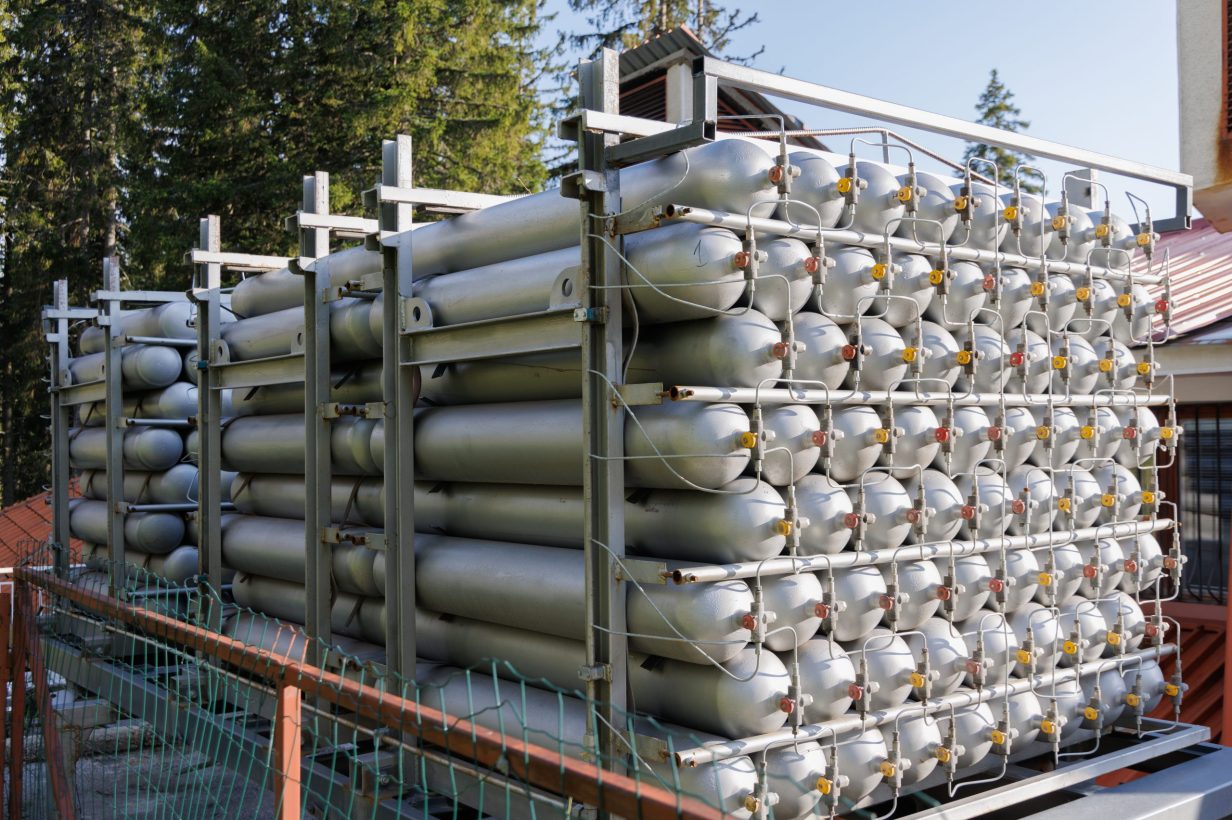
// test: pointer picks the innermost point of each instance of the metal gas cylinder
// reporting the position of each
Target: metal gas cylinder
(684, 273)
(1038, 625)
(792, 772)
(940, 367)
(177, 485)
(1075, 234)
(1121, 499)
(147, 532)
(152, 449)
(1146, 680)
(1135, 449)
(1077, 490)
(142, 367)
(1083, 632)
(861, 590)
(1030, 363)
(986, 228)
(1148, 558)
(858, 439)
(1115, 245)
(1062, 303)
(887, 663)
(1095, 315)
(916, 600)
(943, 503)
(1067, 697)
(883, 356)
(919, 738)
(790, 443)
(1064, 436)
(990, 495)
(1110, 698)
(885, 507)
(991, 643)
(742, 349)
(275, 444)
(169, 320)
(947, 654)
(988, 370)
(1065, 572)
(1075, 365)
(1125, 620)
(973, 728)
(827, 674)
(909, 293)
(970, 442)
(915, 443)
(819, 201)
(965, 294)
(1031, 232)
(1026, 713)
(972, 576)
(1019, 436)
(860, 756)
(935, 217)
(1132, 323)
(179, 565)
(784, 280)
(827, 507)
(880, 210)
(793, 599)
(1117, 366)
(1014, 301)
(1034, 488)
(849, 286)
(1019, 571)
(826, 356)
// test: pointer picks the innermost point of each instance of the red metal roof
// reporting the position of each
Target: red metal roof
(23, 522)
(1200, 269)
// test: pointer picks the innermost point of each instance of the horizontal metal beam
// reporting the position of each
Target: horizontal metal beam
(817, 395)
(436, 198)
(84, 393)
(665, 142)
(287, 369)
(237, 261)
(338, 224)
(130, 297)
(776, 85)
(495, 338)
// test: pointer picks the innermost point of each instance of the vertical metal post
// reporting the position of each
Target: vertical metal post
(288, 740)
(17, 717)
(6, 631)
(208, 296)
(60, 472)
(318, 466)
(603, 419)
(113, 375)
(398, 392)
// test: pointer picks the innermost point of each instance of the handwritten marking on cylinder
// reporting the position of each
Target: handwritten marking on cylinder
(1037, 288)
(1059, 362)
(936, 277)
(1069, 648)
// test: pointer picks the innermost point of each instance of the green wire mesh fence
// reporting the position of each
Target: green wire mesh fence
(132, 706)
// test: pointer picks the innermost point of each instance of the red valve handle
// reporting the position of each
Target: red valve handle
(944, 593)
(812, 264)
(821, 610)
(820, 437)
(851, 521)
(996, 585)
(990, 282)
(1131, 565)
(1161, 306)
(1018, 506)
(1017, 359)
(914, 516)
(967, 512)
(942, 434)
(886, 602)
(994, 433)
(848, 352)
(855, 691)
(1089, 571)
(779, 350)
(1129, 432)
(749, 621)
(787, 705)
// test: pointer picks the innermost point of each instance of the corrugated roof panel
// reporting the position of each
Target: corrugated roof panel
(1200, 272)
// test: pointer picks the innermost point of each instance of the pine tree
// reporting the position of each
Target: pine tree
(996, 109)
(624, 24)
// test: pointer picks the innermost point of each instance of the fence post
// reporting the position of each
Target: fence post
(18, 722)
(288, 739)
(6, 630)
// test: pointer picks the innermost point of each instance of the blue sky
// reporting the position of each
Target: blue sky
(1098, 74)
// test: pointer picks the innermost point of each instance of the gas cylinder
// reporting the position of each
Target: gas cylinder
(1031, 233)
(965, 294)
(943, 503)
(1148, 560)
(828, 509)
(819, 203)
(970, 442)
(915, 442)
(1019, 571)
(1034, 488)
(1038, 625)
(988, 370)
(986, 228)
(887, 663)
(989, 636)
(858, 439)
(826, 356)
(917, 601)
(793, 599)
(790, 443)
(827, 674)
(935, 218)
(849, 286)
(886, 509)
(883, 356)
(862, 590)
(947, 654)
(909, 293)
(1029, 363)
(1083, 632)
(940, 367)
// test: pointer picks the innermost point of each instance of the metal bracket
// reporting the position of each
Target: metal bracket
(600, 671)
(657, 145)
(638, 395)
(641, 571)
(591, 315)
(577, 184)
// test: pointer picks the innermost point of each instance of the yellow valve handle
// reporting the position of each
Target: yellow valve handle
(879, 271)
(1059, 362)
(1143, 368)
(1102, 230)
(887, 769)
(1171, 690)
(905, 194)
(1143, 239)
(1086, 432)
(748, 440)
(823, 785)
(942, 754)
(1090, 713)
(964, 357)
(917, 680)
(1105, 365)
(1132, 701)
(1148, 497)
(1114, 639)
(881, 435)
(1045, 579)
(1047, 727)
(1082, 294)
(751, 804)
(997, 737)
(1058, 223)
(1124, 300)
(1037, 288)
(1107, 500)
(844, 185)
(1010, 213)
(782, 527)
(1024, 657)
(1043, 431)
(910, 353)
(936, 277)
(1069, 648)
(1165, 433)
(1063, 504)
(960, 203)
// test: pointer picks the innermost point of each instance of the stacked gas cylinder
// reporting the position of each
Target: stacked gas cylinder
(159, 401)
(887, 507)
